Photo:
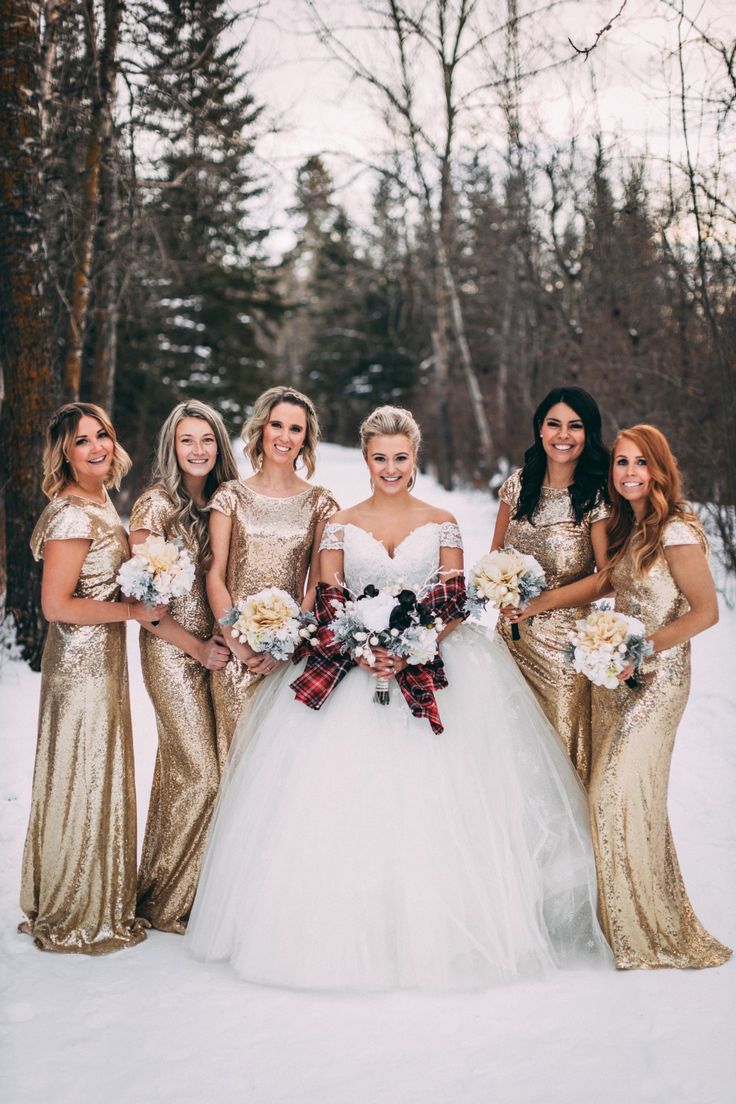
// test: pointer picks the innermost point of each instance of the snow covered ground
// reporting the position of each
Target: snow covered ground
(150, 1024)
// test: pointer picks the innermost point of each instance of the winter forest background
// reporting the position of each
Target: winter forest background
(449, 204)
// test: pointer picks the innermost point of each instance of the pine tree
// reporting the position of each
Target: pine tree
(197, 317)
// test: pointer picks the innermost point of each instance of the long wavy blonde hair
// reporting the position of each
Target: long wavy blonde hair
(188, 520)
(60, 433)
(665, 501)
(253, 429)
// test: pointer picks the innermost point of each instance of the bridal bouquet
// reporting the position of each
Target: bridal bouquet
(158, 571)
(505, 578)
(409, 626)
(605, 642)
(391, 618)
(270, 621)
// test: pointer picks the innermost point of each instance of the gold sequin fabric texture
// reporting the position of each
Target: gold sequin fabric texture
(186, 774)
(645, 912)
(564, 550)
(78, 880)
(270, 545)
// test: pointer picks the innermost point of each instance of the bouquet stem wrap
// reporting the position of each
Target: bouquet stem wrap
(327, 665)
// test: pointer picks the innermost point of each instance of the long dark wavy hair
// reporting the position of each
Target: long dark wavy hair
(591, 470)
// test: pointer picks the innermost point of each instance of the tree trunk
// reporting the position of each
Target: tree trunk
(441, 349)
(25, 334)
(100, 128)
(102, 383)
(471, 377)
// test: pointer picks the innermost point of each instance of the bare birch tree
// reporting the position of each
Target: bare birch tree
(431, 43)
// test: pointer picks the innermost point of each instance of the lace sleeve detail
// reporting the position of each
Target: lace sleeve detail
(450, 535)
(332, 538)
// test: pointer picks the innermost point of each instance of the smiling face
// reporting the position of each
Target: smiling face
(91, 451)
(563, 434)
(196, 447)
(631, 476)
(284, 434)
(390, 461)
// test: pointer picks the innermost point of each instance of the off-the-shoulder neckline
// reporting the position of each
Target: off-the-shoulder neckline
(368, 533)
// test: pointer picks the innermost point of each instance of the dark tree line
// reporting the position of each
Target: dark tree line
(135, 267)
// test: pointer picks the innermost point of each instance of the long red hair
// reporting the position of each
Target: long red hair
(665, 501)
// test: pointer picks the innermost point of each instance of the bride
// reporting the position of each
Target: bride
(354, 848)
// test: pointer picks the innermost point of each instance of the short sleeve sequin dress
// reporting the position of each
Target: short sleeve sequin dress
(645, 911)
(270, 545)
(186, 775)
(78, 881)
(565, 551)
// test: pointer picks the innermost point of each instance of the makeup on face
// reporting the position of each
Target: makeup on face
(563, 434)
(284, 433)
(195, 446)
(91, 450)
(631, 476)
(390, 461)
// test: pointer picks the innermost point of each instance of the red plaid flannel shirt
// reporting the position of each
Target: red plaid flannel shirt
(327, 666)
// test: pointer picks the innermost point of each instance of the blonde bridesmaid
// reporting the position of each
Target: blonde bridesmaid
(78, 881)
(554, 508)
(659, 572)
(193, 458)
(265, 531)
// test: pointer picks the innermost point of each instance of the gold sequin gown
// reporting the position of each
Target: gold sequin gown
(270, 545)
(78, 881)
(565, 551)
(186, 774)
(645, 911)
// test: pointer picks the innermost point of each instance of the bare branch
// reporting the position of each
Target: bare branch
(587, 50)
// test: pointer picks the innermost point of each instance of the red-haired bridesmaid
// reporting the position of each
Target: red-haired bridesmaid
(659, 571)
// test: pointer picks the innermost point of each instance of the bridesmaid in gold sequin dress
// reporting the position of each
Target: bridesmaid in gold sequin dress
(554, 508)
(659, 572)
(265, 531)
(193, 458)
(78, 881)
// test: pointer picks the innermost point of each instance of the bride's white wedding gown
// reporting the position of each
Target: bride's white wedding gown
(352, 848)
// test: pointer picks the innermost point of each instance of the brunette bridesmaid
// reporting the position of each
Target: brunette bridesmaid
(78, 881)
(193, 458)
(659, 572)
(554, 508)
(265, 531)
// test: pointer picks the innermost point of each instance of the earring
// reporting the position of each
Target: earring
(412, 481)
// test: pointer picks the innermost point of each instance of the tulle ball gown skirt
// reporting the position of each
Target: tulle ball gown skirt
(354, 849)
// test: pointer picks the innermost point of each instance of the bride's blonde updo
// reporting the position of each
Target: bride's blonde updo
(390, 421)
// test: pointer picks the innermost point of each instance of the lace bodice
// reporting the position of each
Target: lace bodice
(415, 561)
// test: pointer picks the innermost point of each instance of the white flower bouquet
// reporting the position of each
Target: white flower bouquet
(604, 643)
(505, 577)
(158, 571)
(270, 621)
(391, 618)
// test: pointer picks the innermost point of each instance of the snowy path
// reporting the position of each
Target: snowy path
(151, 1025)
